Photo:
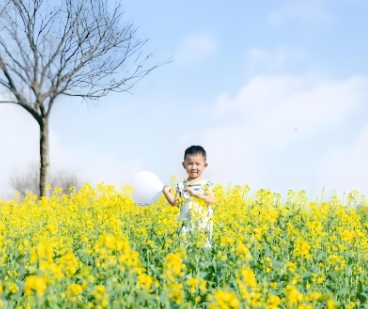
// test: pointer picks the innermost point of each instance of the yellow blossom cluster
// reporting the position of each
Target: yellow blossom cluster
(96, 249)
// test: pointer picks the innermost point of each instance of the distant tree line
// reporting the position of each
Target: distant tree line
(29, 181)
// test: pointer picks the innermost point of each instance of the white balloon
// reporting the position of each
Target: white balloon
(147, 188)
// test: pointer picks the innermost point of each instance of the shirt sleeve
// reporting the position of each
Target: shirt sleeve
(209, 184)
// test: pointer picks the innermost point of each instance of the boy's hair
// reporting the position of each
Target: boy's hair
(195, 150)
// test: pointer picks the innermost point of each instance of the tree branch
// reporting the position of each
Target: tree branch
(4, 8)
(26, 107)
(77, 49)
(14, 102)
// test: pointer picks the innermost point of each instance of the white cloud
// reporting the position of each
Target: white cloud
(307, 11)
(276, 105)
(270, 116)
(195, 48)
(345, 167)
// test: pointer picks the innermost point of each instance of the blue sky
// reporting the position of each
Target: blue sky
(275, 91)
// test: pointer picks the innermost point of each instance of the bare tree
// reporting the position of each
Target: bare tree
(3, 6)
(75, 48)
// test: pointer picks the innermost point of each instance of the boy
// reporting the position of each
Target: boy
(195, 194)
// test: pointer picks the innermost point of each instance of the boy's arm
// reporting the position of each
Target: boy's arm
(209, 197)
(169, 197)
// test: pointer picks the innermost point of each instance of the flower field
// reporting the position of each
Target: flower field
(95, 249)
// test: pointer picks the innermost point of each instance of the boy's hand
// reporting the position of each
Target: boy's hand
(191, 192)
(166, 189)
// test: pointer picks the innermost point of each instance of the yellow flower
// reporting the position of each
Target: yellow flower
(248, 277)
(173, 266)
(291, 266)
(13, 288)
(330, 304)
(302, 248)
(320, 280)
(195, 283)
(176, 292)
(74, 291)
(35, 284)
(225, 300)
(293, 295)
(273, 285)
(226, 241)
(58, 190)
(144, 282)
(101, 296)
(273, 302)
(351, 305)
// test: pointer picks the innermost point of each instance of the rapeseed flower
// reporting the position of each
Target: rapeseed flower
(95, 248)
(35, 284)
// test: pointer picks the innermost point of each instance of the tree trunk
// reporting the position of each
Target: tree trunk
(44, 154)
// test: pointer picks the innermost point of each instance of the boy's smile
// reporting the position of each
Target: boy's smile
(194, 165)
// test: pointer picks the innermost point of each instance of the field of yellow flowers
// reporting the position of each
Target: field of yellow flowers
(95, 249)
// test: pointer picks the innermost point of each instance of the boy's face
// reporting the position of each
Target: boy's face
(194, 165)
